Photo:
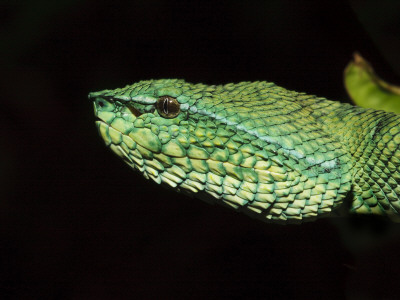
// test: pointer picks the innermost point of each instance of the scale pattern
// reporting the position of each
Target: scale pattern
(277, 155)
(373, 143)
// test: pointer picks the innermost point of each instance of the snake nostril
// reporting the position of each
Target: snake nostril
(100, 103)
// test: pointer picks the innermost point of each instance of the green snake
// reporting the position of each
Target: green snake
(277, 155)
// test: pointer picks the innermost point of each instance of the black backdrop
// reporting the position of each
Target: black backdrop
(76, 223)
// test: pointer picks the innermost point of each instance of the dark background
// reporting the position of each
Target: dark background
(76, 223)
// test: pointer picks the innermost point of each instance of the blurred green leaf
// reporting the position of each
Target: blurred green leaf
(367, 90)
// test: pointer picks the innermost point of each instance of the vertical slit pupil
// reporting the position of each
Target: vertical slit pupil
(165, 105)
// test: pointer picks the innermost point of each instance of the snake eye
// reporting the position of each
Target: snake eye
(168, 107)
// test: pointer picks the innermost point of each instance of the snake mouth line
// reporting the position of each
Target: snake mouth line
(102, 124)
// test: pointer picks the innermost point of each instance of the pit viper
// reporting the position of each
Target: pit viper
(277, 155)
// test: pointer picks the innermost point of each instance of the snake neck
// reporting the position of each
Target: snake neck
(372, 140)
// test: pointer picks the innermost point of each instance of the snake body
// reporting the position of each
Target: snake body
(277, 155)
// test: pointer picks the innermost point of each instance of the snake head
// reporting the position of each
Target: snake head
(249, 145)
(154, 126)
